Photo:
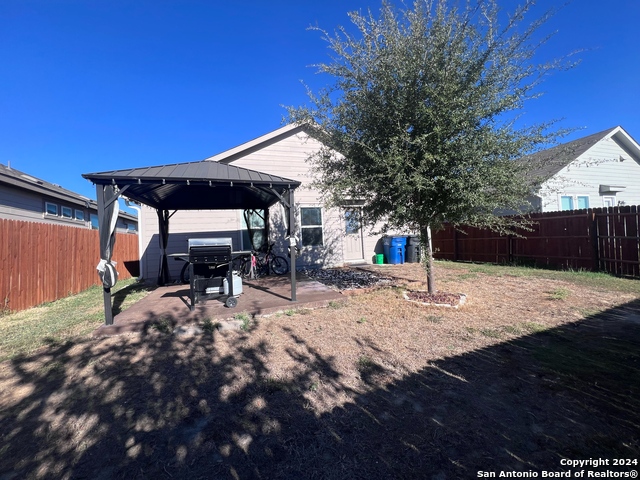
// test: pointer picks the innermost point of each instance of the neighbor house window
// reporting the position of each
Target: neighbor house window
(67, 212)
(311, 226)
(94, 221)
(574, 202)
(51, 208)
(80, 215)
(131, 227)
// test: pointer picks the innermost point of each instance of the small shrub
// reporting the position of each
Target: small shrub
(336, 305)
(434, 319)
(364, 363)
(245, 318)
(208, 326)
(163, 325)
(290, 312)
(362, 320)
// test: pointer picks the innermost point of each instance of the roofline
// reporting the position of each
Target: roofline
(628, 140)
(48, 189)
(235, 152)
(45, 188)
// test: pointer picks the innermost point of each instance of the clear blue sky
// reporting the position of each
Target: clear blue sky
(93, 85)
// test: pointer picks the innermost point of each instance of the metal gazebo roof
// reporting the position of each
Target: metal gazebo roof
(199, 185)
(203, 185)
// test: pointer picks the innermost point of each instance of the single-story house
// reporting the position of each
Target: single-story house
(26, 197)
(327, 237)
(600, 170)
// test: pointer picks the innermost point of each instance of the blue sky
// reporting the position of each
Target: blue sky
(95, 85)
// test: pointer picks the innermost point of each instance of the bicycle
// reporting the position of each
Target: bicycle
(264, 262)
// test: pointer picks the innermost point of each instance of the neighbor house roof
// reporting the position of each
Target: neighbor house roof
(18, 179)
(547, 163)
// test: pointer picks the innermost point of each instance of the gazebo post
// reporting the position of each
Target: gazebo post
(106, 292)
(163, 236)
(292, 248)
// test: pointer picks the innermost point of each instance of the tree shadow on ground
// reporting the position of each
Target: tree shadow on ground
(162, 406)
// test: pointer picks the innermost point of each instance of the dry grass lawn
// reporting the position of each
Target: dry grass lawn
(529, 371)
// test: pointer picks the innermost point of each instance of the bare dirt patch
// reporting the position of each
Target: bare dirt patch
(370, 387)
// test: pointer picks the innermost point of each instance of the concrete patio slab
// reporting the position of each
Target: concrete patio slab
(260, 297)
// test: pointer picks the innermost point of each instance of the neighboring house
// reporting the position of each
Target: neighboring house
(600, 170)
(25, 197)
(327, 237)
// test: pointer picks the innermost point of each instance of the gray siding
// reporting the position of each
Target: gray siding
(19, 204)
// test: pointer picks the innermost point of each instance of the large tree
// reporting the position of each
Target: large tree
(420, 122)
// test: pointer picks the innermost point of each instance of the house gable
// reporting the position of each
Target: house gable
(606, 170)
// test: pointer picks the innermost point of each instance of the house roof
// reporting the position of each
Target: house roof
(18, 179)
(202, 185)
(546, 163)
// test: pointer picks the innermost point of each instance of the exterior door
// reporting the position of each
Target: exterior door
(353, 238)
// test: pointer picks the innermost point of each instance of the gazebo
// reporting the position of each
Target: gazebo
(203, 185)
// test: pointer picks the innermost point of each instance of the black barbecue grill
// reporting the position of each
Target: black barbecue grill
(210, 273)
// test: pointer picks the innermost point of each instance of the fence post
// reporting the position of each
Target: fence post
(595, 244)
(455, 244)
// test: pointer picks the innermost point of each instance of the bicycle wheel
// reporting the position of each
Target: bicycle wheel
(279, 265)
(184, 273)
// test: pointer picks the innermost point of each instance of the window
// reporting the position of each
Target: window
(608, 201)
(311, 226)
(131, 227)
(583, 202)
(67, 212)
(571, 202)
(94, 221)
(51, 208)
(351, 221)
(253, 229)
(80, 215)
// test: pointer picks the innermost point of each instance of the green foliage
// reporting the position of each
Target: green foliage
(419, 120)
(559, 294)
(245, 318)
(209, 326)
(163, 325)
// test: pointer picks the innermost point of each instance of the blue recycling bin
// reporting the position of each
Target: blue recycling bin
(394, 249)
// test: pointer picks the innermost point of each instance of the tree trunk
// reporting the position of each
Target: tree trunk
(425, 240)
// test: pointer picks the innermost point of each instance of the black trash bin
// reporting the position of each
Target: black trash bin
(413, 249)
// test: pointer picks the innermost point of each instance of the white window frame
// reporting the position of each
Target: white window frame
(321, 226)
(574, 200)
(611, 198)
(64, 209)
(79, 218)
(46, 209)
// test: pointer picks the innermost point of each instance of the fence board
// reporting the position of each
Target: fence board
(41, 262)
(605, 239)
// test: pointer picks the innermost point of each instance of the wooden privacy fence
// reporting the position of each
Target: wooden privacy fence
(600, 239)
(42, 262)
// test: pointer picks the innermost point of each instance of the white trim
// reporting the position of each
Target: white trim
(46, 209)
(574, 199)
(612, 198)
(321, 225)
(70, 213)
(252, 143)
